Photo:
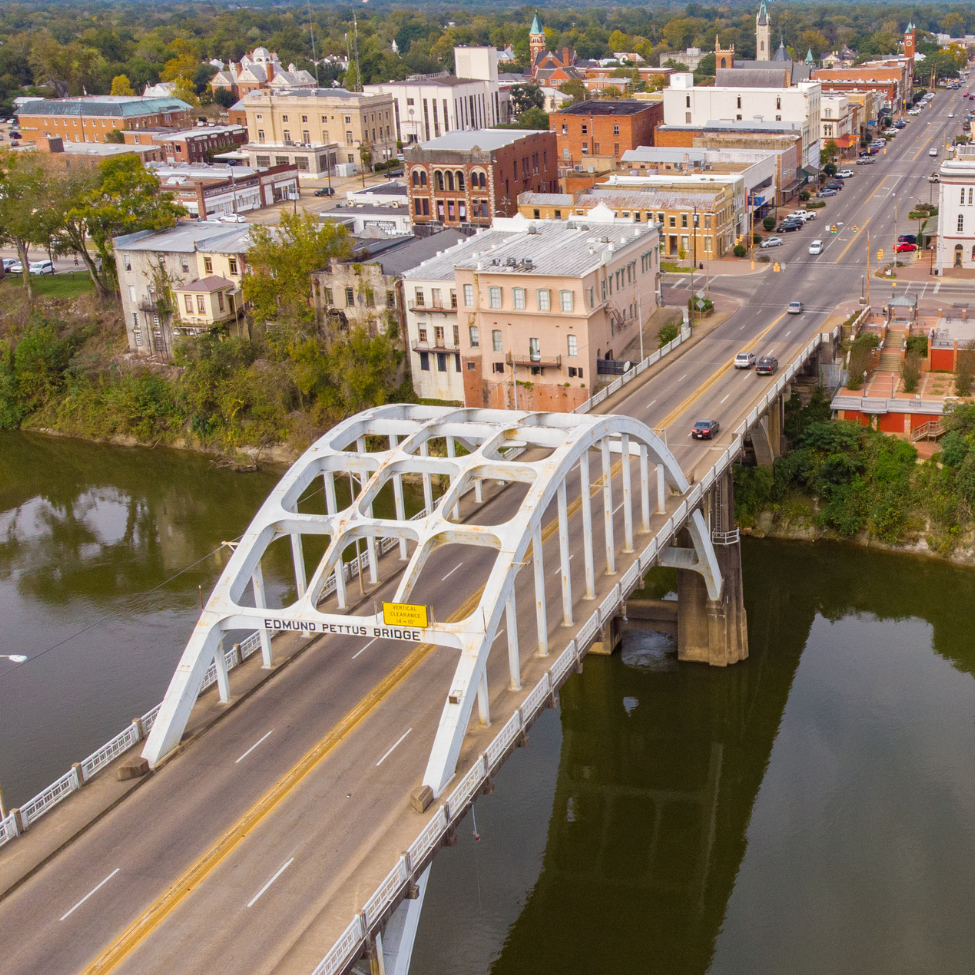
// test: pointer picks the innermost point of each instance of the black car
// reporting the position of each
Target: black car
(767, 365)
(835, 184)
(705, 429)
(907, 239)
(325, 191)
(789, 225)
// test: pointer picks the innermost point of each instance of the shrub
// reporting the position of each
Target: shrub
(918, 344)
(741, 250)
(756, 238)
(911, 371)
(769, 223)
(804, 196)
(965, 370)
(668, 333)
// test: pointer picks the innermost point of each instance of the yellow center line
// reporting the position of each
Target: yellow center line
(701, 390)
(863, 226)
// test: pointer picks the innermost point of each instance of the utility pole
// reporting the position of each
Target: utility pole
(639, 314)
(868, 267)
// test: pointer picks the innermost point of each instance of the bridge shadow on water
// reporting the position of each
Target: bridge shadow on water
(658, 771)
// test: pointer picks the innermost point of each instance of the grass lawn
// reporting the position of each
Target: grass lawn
(67, 284)
(673, 267)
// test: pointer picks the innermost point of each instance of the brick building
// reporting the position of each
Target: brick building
(212, 192)
(196, 145)
(91, 118)
(594, 129)
(894, 82)
(466, 178)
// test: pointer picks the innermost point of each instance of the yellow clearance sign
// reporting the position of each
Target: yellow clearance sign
(404, 614)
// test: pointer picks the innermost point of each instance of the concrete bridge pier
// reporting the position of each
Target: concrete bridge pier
(768, 435)
(714, 631)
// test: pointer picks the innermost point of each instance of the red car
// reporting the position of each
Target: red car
(905, 246)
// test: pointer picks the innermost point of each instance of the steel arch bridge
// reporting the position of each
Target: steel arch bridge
(536, 450)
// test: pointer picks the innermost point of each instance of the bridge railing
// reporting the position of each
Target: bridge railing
(631, 374)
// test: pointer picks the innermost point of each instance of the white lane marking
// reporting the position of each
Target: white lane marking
(724, 398)
(558, 571)
(740, 327)
(366, 647)
(390, 752)
(451, 572)
(90, 892)
(682, 378)
(257, 896)
(249, 750)
(787, 334)
(937, 287)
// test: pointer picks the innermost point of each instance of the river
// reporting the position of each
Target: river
(810, 810)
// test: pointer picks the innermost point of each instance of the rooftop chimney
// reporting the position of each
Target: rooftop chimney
(270, 70)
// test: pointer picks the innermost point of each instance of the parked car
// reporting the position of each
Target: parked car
(767, 365)
(907, 238)
(865, 160)
(845, 174)
(788, 226)
(804, 215)
(827, 193)
(933, 151)
(934, 178)
(905, 247)
(772, 242)
(8, 263)
(795, 308)
(900, 124)
(816, 247)
(233, 218)
(41, 267)
(745, 360)
(15, 268)
(325, 191)
(705, 429)
(835, 184)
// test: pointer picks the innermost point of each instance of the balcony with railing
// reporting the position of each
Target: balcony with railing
(535, 359)
(437, 305)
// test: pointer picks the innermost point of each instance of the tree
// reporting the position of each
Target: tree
(526, 96)
(676, 65)
(224, 97)
(533, 118)
(964, 369)
(611, 91)
(911, 371)
(618, 42)
(121, 199)
(576, 89)
(706, 68)
(953, 25)
(121, 85)
(26, 214)
(280, 261)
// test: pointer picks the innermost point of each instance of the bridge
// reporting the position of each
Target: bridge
(309, 812)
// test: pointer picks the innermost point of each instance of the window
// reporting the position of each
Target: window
(287, 135)
(585, 129)
(494, 297)
(349, 297)
(496, 340)
(263, 160)
(284, 118)
(572, 343)
(534, 350)
(422, 335)
(201, 304)
(616, 130)
(390, 299)
(460, 180)
(233, 265)
(518, 296)
(436, 298)
(575, 371)
(558, 214)
(418, 296)
(348, 138)
(673, 221)
(969, 196)
(188, 302)
(425, 361)
(595, 148)
(456, 335)
(468, 296)
(329, 300)
(498, 367)
(438, 335)
(585, 148)
(348, 119)
(778, 104)
(441, 362)
(220, 300)
(475, 336)
(961, 222)
(544, 299)
(962, 200)
(683, 220)
(207, 265)
(565, 299)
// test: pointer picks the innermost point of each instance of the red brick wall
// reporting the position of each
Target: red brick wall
(597, 132)
(942, 359)
(894, 422)
(679, 138)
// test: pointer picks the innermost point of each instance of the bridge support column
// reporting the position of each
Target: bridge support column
(610, 637)
(776, 424)
(761, 443)
(714, 631)
(400, 933)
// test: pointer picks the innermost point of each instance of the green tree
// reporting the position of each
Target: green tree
(280, 262)
(26, 215)
(524, 97)
(576, 89)
(911, 371)
(121, 199)
(121, 85)
(953, 25)
(534, 118)
(706, 68)
(964, 369)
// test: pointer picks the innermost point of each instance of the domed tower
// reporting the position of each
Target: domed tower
(763, 34)
(536, 40)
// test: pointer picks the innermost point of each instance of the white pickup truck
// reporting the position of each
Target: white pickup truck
(804, 215)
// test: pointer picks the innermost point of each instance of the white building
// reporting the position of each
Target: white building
(427, 106)
(686, 105)
(956, 214)
(838, 119)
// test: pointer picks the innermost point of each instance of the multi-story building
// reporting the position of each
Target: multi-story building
(92, 117)
(693, 108)
(839, 122)
(182, 281)
(892, 81)
(595, 130)
(956, 215)
(466, 178)
(538, 304)
(216, 191)
(196, 145)
(313, 118)
(427, 106)
(692, 222)
(259, 69)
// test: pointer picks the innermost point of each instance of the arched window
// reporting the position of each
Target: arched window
(958, 254)
(439, 180)
(460, 180)
(450, 181)
(423, 177)
(478, 180)
(416, 176)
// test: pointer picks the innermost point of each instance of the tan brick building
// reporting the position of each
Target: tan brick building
(595, 130)
(92, 118)
(466, 178)
(320, 117)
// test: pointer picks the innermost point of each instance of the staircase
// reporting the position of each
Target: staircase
(930, 430)
(890, 357)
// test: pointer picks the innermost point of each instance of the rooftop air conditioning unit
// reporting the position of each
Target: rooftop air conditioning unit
(510, 262)
(590, 169)
(604, 240)
(529, 264)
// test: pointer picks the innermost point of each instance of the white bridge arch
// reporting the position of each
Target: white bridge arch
(496, 445)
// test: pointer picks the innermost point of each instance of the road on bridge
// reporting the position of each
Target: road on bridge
(195, 873)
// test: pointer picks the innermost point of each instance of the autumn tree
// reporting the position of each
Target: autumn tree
(121, 85)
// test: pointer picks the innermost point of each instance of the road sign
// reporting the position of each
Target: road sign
(404, 614)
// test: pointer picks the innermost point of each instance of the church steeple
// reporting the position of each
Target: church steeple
(536, 39)
(763, 34)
